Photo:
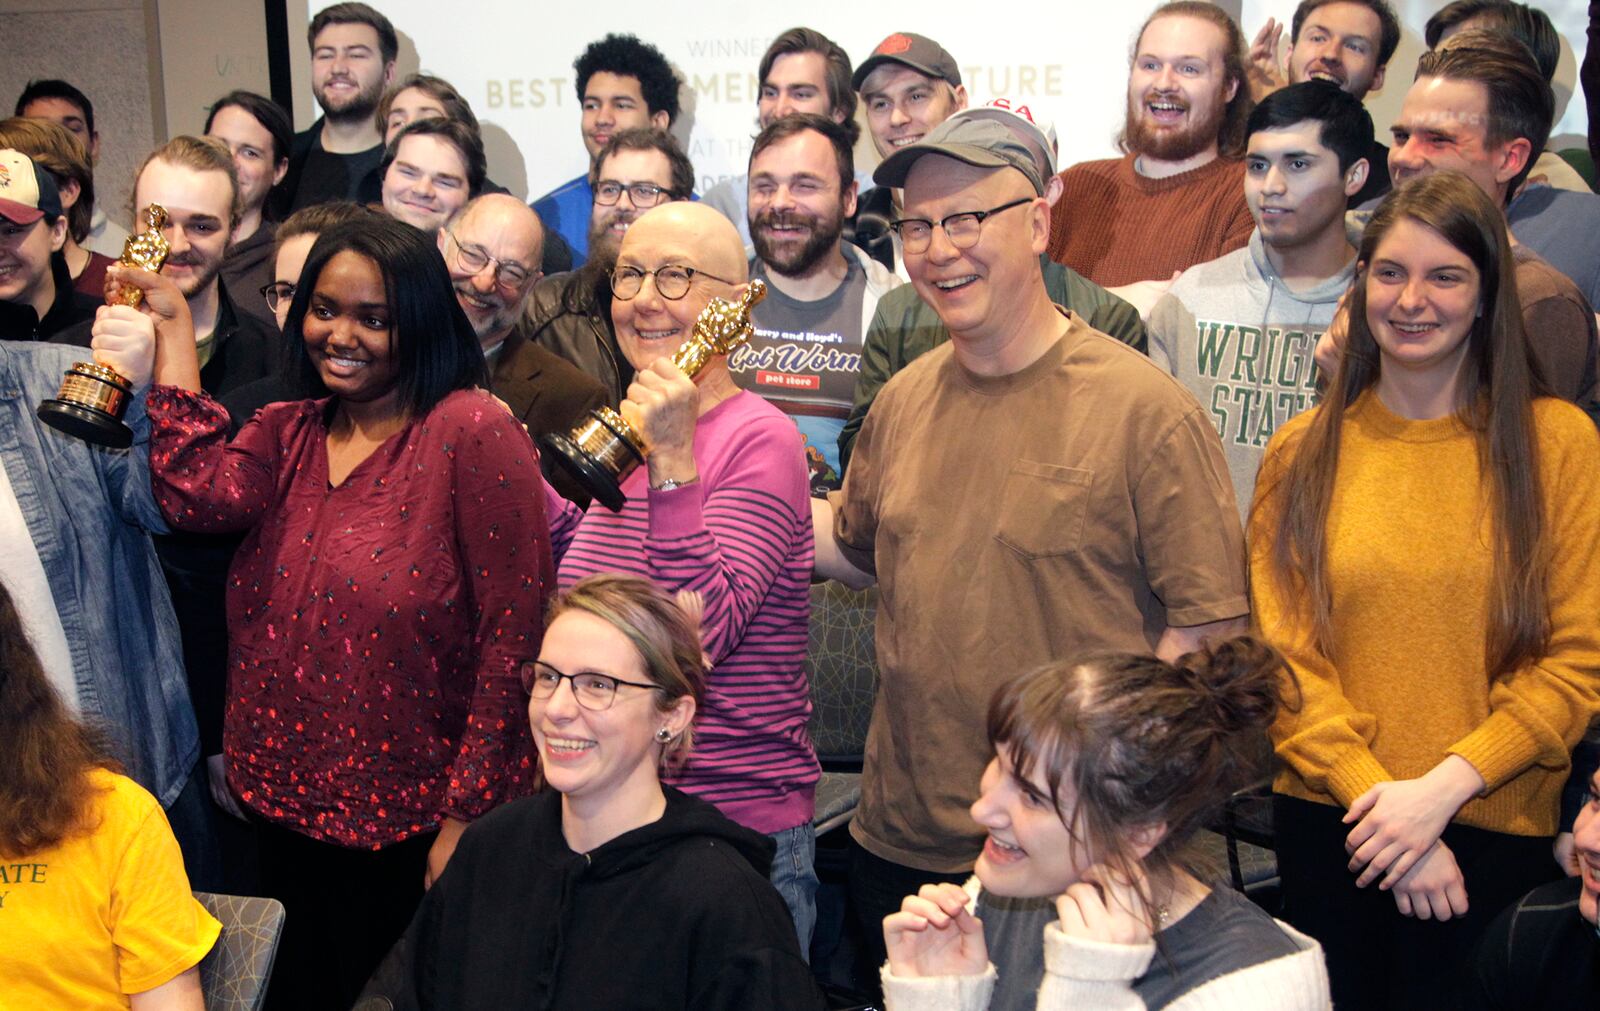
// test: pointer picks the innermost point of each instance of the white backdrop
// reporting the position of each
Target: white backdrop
(1068, 60)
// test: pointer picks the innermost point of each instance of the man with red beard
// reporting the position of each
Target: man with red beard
(1176, 197)
(353, 50)
(821, 293)
(570, 313)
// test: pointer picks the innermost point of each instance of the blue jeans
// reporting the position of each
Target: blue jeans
(794, 875)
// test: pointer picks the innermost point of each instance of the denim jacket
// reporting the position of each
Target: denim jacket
(91, 511)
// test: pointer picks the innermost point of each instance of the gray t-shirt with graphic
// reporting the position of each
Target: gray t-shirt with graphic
(804, 358)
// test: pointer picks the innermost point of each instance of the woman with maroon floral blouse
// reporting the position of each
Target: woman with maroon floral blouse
(392, 581)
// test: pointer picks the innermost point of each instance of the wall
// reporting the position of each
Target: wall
(107, 49)
(153, 66)
(209, 48)
(1067, 60)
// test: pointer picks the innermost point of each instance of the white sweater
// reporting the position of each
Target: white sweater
(1083, 974)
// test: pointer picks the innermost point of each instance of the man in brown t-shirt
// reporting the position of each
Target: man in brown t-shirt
(1031, 490)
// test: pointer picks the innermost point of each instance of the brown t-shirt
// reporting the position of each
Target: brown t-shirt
(1080, 504)
(1561, 329)
(1115, 226)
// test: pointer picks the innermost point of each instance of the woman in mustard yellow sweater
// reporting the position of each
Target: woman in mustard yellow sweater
(1423, 550)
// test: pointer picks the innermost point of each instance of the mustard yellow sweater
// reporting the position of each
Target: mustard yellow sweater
(1410, 563)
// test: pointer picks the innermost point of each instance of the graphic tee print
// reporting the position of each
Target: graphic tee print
(803, 359)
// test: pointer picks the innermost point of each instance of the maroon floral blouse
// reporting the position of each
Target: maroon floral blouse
(375, 629)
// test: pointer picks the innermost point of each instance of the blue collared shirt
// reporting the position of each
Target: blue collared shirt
(91, 511)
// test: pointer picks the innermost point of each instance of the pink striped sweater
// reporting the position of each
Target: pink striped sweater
(741, 536)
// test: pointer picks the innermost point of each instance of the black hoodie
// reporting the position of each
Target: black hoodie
(676, 914)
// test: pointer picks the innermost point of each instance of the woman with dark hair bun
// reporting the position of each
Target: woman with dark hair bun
(393, 577)
(1423, 549)
(97, 912)
(1085, 894)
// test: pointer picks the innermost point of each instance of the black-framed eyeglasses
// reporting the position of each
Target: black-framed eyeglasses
(916, 234)
(672, 280)
(609, 191)
(474, 258)
(278, 294)
(593, 691)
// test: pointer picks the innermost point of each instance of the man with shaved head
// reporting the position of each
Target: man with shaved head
(493, 251)
(1031, 490)
(720, 509)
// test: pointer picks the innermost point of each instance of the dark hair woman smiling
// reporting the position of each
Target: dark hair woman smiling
(393, 578)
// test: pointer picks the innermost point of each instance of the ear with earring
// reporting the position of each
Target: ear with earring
(663, 735)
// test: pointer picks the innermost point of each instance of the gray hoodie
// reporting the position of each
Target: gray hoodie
(1233, 333)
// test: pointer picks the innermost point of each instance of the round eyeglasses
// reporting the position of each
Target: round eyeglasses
(473, 259)
(608, 192)
(593, 691)
(672, 281)
(278, 294)
(916, 234)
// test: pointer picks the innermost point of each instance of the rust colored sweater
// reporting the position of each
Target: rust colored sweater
(1115, 226)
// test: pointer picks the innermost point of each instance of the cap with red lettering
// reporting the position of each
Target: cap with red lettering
(909, 49)
(27, 192)
(1032, 128)
(980, 142)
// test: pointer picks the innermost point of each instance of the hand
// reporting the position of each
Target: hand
(124, 339)
(1434, 888)
(1103, 906)
(1398, 821)
(664, 406)
(163, 302)
(217, 779)
(444, 846)
(1266, 69)
(933, 934)
(1330, 346)
(1565, 850)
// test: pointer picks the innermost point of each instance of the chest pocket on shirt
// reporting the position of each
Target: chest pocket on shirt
(1042, 508)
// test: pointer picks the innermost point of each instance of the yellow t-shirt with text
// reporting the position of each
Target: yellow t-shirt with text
(102, 915)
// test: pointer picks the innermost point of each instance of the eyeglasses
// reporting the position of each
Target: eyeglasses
(595, 692)
(672, 281)
(916, 234)
(608, 192)
(473, 259)
(278, 294)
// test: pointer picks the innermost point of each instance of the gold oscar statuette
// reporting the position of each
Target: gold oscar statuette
(94, 398)
(603, 449)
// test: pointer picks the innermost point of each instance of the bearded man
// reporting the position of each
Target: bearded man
(570, 313)
(821, 293)
(353, 50)
(1176, 196)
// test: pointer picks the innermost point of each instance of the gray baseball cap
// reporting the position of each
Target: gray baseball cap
(909, 49)
(980, 142)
